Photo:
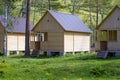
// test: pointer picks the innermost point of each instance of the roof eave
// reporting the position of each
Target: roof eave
(78, 31)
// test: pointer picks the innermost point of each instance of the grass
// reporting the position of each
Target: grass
(69, 67)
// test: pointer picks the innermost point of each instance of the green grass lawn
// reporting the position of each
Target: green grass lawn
(69, 67)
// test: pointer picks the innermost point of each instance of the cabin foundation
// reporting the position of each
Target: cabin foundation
(61, 53)
(17, 52)
(7, 54)
(49, 54)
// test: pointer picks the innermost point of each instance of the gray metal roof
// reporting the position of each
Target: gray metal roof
(19, 24)
(70, 22)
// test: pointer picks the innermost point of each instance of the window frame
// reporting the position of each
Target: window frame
(42, 36)
(113, 35)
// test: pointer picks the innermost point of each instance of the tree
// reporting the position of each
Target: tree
(8, 6)
(49, 5)
(73, 5)
(5, 32)
(34, 12)
(23, 9)
(91, 24)
(27, 34)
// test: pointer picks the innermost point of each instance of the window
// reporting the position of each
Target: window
(43, 36)
(112, 35)
(103, 35)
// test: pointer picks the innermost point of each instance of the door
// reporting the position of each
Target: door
(103, 39)
(37, 45)
(103, 45)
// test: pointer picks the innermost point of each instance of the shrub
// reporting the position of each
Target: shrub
(1, 53)
(2, 73)
(98, 71)
(3, 65)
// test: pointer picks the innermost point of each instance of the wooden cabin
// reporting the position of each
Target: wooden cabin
(15, 34)
(108, 35)
(60, 33)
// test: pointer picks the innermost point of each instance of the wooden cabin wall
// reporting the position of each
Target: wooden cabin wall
(68, 42)
(115, 45)
(97, 45)
(112, 22)
(81, 42)
(49, 25)
(55, 42)
(1, 37)
(15, 42)
(76, 42)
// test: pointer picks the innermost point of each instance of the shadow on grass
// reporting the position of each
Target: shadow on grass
(90, 56)
(41, 56)
(78, 56)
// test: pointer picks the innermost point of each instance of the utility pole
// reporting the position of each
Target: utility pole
(5, 32)
(27, 34)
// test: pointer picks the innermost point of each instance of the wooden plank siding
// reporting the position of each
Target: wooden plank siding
(15, 41)
(1, 37)
(48, 24)
(112, 22)
(55, 42)
(115, 45)
(81, 42)
(60, 39)
(68, 42)
(97, 45)
(76, 42)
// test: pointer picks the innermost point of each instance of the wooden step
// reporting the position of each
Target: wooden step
(102, 54)
(35, 53)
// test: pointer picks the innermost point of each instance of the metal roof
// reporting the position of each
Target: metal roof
(70, 22)
(19, 24)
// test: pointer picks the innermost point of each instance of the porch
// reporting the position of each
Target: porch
(107, 40)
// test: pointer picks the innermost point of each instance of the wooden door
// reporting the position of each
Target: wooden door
(37, 45)
(103, 45)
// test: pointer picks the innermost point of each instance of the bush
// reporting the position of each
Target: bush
(3, 65)
(98, 71)
(2, 73)
(104, 71)
(1, 53)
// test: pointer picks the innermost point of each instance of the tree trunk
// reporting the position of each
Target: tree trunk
(49, 5)
(5, 33)
(73, 10)
(42, 8)
(91, 25)
(97, 9)
(34, 12)
(102, 14)
(27, 34)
